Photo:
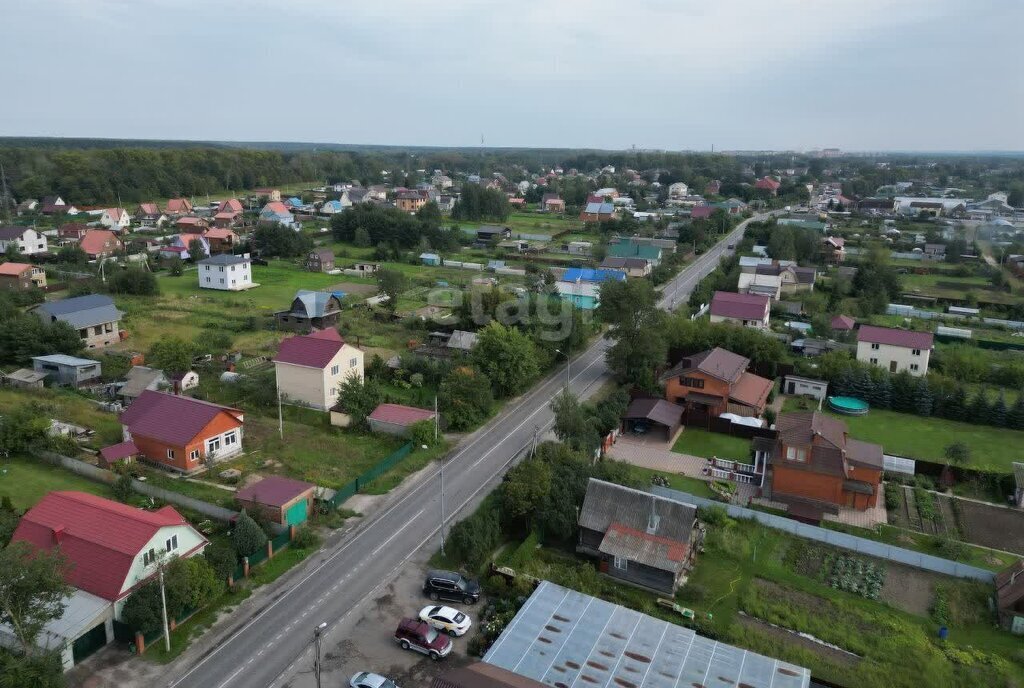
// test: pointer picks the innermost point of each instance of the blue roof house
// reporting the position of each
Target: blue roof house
(583, 295)
(592, 275)
(430, 259)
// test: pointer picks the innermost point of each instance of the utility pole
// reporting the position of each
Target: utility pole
(318, 633)
(163, 610)
(568, 363)
(280, 412)
(442, 507)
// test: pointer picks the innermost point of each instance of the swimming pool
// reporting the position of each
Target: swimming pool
(851, 406)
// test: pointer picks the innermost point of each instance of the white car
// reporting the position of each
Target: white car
(365, 679)
(446, 619)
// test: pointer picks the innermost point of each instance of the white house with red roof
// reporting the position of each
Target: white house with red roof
(894, 349)
(115, 219)
(748, 310)
(111, 549)
(310, 368)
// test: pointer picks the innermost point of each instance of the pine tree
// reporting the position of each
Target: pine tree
(923, 399)
(955, 405)
(1015, 416)
(979, 409)
(903, 392)
(881, 394)
(997, 415)
(247, 536)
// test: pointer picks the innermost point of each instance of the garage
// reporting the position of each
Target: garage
(281, 500)
(655, 417)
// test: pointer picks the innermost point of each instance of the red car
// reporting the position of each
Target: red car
(413, 634)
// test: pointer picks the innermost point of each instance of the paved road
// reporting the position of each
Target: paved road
(262, 652)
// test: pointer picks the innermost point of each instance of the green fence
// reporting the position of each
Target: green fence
(371, 474)
(280, 542)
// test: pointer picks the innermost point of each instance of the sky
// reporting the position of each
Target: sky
(860, 75)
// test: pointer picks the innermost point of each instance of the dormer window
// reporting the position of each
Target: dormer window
(798, 454)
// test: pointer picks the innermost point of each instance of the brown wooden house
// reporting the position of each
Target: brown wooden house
(714, 382)
(320, 260)
(1010, 597)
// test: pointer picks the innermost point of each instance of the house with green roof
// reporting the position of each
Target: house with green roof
(630, 249)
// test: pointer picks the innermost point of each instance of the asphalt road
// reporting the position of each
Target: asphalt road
(265, 650)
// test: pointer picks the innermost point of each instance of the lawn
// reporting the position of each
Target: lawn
(915, 437)
(683, 483)
(68, 406)
(707, 444)
(27, 480)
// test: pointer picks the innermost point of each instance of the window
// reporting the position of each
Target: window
(694, 382)
(171, 544)
(914, 367)
(230, 438)
(208, 280)
(98, 329)
(334, 370)
(874, 361)
(874, 347)
(222, 280)
(353, 362)
(193, 455)
(619, 563)
(148, 557)
(798, 454)
(213, 445)
(232, 268)
(220, 268)
(170, 455)
(334, 391)
(915, 352)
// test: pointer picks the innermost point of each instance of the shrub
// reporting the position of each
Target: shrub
(222, 559)
(715, 515)
(893, 496)
(471, 540)
(247, 536)
(422, 433)
(693, 593)
(952, 549)
(305, 538)
(122, 487)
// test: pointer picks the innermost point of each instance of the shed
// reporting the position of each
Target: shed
(122, 451)
(805, 386)
(643, 415)
(282, 500)
(395, 419)
(25, 378)
(67, 370)
(430, 259)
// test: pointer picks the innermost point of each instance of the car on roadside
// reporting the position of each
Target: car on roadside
(413, 634)
(451, 586)
(365, 679)
(450, 621)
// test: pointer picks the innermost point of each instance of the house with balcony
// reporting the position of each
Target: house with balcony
(21, 277)
(713, 382)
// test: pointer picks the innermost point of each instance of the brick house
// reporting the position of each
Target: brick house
(714, 382)
(410, 201)
(181, 433)
(21, 277)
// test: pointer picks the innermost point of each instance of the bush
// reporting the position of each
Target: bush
(715, 515)
(422, 433)
(305, 538)
(471, 540)
(247, 536)
(693, 593)
(893, 496)
(953, 549)
(222, 559)
(122, 487)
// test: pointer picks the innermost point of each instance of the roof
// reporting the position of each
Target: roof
(741, 306)
(82, 311)
(563, 637)
(12, 232)
(491, 229)
(99, 537)
(616, 262)
(462, 340)
(174, 420)
(718, 363)
(801, 427)
(14, 269)
(599, 208)
(274, 490)
(96, 241)
(657, 410)
(314, 303)
(629, 249)
(119, 451)
(843, 322)
(895, 337)
(314, 350)
(397, 414)
(178, 205)
(226, 259)
(26, 375)
(751, 390)
(139, 379)
(219, 232)
(482, 675)
(429, 256)
(591, 275)
(648, 529)
(276, 207)
(232, 205)
(864, 453)
(1010, 585)
(65, 360)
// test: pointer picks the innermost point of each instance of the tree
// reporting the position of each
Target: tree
(277, 241)
(1015, 416)
(573, 426)
(122, 487)
(465, 397)
(507, 357)
(133, 280)
(32, 590)
(143, 610)
(173, 355)
(359, 396)
(41, 670)
(637, 328)
(391, 283)
(362, 238)
(524, 490)
(22, 428)
(473, 539)
(191, 584)
(176, 267)
(222, 558)
(422, 433)
(957, 453)
(247, 535)
(924, 401)
(72, 255)
(196, 250)
(998, 412)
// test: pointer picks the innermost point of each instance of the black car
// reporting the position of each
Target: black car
(447, 585)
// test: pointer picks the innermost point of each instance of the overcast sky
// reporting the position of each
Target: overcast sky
(673, 74)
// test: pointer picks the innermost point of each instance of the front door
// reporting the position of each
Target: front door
(892, 366)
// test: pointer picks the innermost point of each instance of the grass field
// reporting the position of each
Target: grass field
(26, 481)
(707, 444)
(66, 405)
(694, 486)
(952, 287)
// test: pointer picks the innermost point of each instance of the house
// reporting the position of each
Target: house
(637, 537)
(67, 370)
(431, 259)
(409, 201)
(23, 378)
(25, 240)
(842, 324)
(111, 550)
(579, 248)
(192, 224)
(714, 382)
(633, 267)
(232, 205)
(139, 379)
(764, 284)
(767, 184)
(833, 249)
(552, 203)
(94, 316)
(748, 310)
(934, 252)
(396, 419)
(1010, 597)
(21, 277)
(149, 215)
(794, 278)
(100, 243)
(226, 220)
(492, 233)
(817, 467)
(310, 310)
(183, 242)
(310, 368)
(320, 260)
(226, 272)
(179, 206)
(583, 295)
(277, 212)
(71, 232)
(627, 248)
(221, 239)
(278, 499)
(794, 385)
(598, 212)
(29, 205)
(678, 190)
(54, 205)
(272, 195)
(332, 208)
(181, 433)
(894, 349)
(115, 219)
(644, 414)
(701, 212)
(294, 203)
(184, 381)
(591, 275)
(365, 268)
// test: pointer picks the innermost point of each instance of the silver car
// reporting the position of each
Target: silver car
(365, 679)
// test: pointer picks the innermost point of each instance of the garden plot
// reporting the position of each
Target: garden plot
(991, 526)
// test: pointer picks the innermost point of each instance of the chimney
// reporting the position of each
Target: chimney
(58, 534)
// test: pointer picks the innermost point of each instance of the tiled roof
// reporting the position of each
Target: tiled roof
(397, 414)
(718, 362)
(658, 410)
(100, 538)
(274, 490)
(740, 306)
(174, 420)
(314, 350)
(895, 337)
(14, 269)
(232, 205)
(97, 241)
(801, 427)
(751, 390)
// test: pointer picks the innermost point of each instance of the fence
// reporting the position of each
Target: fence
(372, 473)
(853, 543)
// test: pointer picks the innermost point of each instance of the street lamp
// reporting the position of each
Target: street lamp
(318, 633)
(568, 361)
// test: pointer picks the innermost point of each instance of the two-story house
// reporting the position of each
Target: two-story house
(150, 215)
(894, 349)
(714, 382)
(816, 464)
(111, 550)
(21, 277)
(179, 206)
(94, 316)
(115, 219)
(277, 212)
(310, 310)
(221, 239)
(320, 260)
(637, 537)
(410, 201)
(833, 249)
(100, 243)
(181, 433)
(310, 368)
(748, 310)
(25, 240)
(226, 272)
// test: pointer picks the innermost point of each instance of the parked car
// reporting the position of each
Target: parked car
(413, 634)
(448, 585)
(364, 679)
(451, 621)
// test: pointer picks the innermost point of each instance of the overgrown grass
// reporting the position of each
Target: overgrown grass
(27, 480)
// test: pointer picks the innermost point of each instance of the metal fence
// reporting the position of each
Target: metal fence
(371, 474)
(853, 543)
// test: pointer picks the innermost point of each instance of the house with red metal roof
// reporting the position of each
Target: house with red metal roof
(894, 349)
(181, 433)
(767, 184)
(115, 219)
(843, 323)
(100, 243)
(396, 419)
(282, 500)
(310, 368)
(179, 206)
(748, 310)
(111, 550)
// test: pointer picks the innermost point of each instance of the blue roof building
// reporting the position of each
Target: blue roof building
(430, 259)
(592, 275)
